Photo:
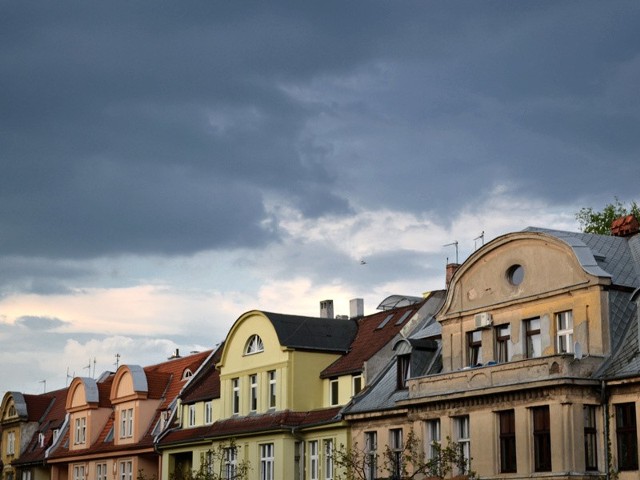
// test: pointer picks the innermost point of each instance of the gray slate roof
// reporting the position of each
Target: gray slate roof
(313, 333)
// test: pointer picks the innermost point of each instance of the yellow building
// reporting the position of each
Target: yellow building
(283, 381)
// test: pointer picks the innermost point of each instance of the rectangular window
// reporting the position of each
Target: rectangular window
(81, 430)
(78, 472)
(266, 462)
(463, 437)
(507, 421)
(313, 460)
(11, 443)
(590, 437)
(126, 470)
(208, 462)
(396, 445)
(371, 455)
(356, 384)
(253, 394)
(433, 438)
(333, 392)
(474, 348)
(26, 475)
(533, 342)
(230, 463)
(328, 459)
(272, 389)
(541, 439)
(403, 366)
(208, 413)
(235, 399)
(503, 341)
(192, 415)
(101, 471)
(126, 423)
(627, 436)
(564, 336)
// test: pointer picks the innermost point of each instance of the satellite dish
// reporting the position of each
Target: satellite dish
(577, 351)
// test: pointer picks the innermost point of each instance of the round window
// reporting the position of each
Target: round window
(515, 274)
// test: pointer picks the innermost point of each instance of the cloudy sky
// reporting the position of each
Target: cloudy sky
(166, 166)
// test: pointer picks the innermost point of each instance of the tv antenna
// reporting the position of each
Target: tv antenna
(69, 376)
(44, 382)
(456, 245)
(117, 360)
(479, 237)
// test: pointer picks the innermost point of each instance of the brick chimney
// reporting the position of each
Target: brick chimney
(451, 269)
(625, 226)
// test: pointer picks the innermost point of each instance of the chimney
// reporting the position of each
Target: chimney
(326, 309)
(175, 355)
(356, 307)
(451, 269)
(625, 226)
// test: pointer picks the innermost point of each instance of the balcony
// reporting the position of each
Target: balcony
(495, 376)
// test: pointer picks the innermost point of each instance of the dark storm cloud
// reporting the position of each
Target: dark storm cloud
(40, 323)
(160, 127)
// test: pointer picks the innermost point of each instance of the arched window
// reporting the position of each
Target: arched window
(254, 345)
(186, 374)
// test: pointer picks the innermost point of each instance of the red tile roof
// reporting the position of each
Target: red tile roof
(374, 332)
(51, 419)
(238, 426)
(206, 385)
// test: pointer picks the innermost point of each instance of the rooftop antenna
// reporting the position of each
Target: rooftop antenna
(117, 360)
(479, 237)
(45, 385)
(456, 245)
(94, 368)
(88, 367)
(69, 376)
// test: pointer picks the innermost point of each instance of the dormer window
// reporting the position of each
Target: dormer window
(12, 411)
(404, 369)
(186, 374)
(254, 345)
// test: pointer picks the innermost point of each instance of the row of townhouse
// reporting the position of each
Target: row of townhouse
(529, 361)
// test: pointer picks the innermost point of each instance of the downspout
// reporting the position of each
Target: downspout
(604, 401)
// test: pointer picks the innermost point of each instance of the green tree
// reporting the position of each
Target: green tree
(594, 221)
(216, 465)
(408, 464)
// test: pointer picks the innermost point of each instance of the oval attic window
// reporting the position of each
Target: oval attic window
(515, 274)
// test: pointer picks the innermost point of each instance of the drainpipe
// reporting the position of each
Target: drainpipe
(604, 401)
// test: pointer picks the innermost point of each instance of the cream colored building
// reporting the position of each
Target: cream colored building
(539, 361)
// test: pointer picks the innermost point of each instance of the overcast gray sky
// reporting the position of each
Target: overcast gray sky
(166, 166)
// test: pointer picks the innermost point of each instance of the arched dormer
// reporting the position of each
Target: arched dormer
(129, 383)
(83, 394)
(14, 407)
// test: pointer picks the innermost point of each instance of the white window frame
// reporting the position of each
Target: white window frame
(80, 431)
(564, 335)
(371, 452)
(26, 475)
(235, 396)
(253, 392)
(101, 471)
(192, 415)
(11, 443)
(433, 435)
(463, 437)
(230, 462)
(254, 345)
(273, 394)
(267, 461)
(396, 445)
(208, 413)
(314, 460)
(126, 423)
(78, 472)
(126, 470)
(328, 459)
